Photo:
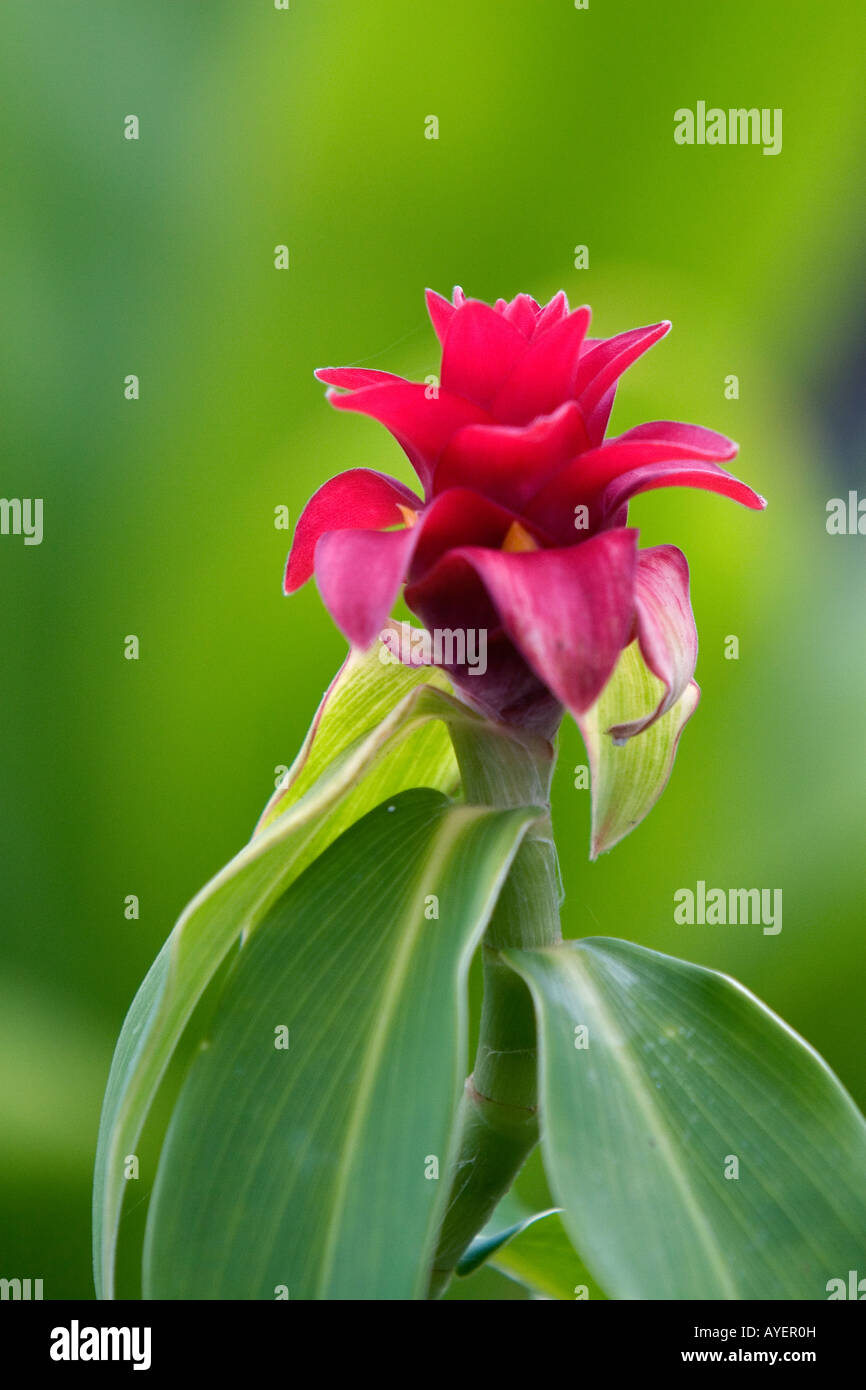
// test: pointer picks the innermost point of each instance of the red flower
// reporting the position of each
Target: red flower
(522, 527)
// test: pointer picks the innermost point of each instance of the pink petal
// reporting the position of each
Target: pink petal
(510, 463)
(552, 313)
(699, 473)
(480, 350)
(569, 612)
(454, 518)
(597, 467)
(601, 367)
(695, 440)
(359, 574)
(509, 691)
(545, 376)
(422, 422)
(355, 378)
(606, 477)
(522, 312)
(357, 498)
(451, 595)
(441, 313)
(605, 361)
(659, 442)
(600, 415)
(665, 629)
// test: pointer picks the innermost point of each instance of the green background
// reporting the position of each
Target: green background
(156, 257)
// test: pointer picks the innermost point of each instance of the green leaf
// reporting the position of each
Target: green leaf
(627, 779)
(362, 694)
(307, 1168)
(686, 1071)
(543, 1258)
(380, 730)
(494, 1236)
(486, 1285)
(533, 1249)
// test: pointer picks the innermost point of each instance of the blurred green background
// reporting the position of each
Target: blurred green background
(156, 257)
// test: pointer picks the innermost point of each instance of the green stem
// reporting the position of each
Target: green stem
(498, 1120)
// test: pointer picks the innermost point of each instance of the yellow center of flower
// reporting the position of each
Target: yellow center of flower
(518, 539)
(409, 515)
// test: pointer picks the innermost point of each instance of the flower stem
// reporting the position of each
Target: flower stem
(498, 1118)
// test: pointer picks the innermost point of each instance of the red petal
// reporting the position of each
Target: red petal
(357, 498)
(359, 574)
(458, 517)
(441, 313)
(631, 451)
(422, 422)
(355, 378)
(697, 441)
(700, 473)
(522, 312)
(451, 595)
(510, 463)
(601, 367)
(569, 612)
(606, 477)
(480, 350)
(665, 629)
(545, 376)
(605, 361)
(600, 415)
(552, 313)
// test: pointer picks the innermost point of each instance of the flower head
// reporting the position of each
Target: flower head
(522, 526)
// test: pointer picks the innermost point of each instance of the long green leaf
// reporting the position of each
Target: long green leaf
(308, 1170)
(627, 779)
(381, 731)
(532, 1248)
(496, 1236)
(361, 696)
(698, 1147)
(542, 1257)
